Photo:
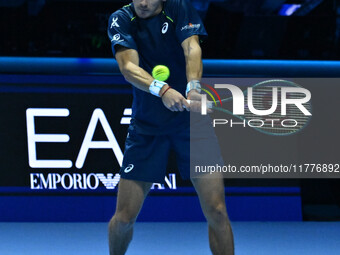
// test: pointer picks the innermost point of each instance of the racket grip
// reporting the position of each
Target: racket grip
(188, 103)
(209, 104)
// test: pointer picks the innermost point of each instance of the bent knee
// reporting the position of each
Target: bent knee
(122, 221)
(217, 214)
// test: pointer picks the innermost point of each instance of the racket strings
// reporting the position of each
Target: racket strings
(262, 99)
(294, 120)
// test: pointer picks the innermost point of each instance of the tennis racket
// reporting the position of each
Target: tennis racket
(262, 99)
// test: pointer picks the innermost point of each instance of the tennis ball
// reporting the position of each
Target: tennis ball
(160, 72)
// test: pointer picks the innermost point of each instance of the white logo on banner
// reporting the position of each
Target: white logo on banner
(33, 138)
(77, 181)
(109, 182)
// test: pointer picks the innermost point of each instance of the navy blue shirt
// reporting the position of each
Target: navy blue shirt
(158, 42)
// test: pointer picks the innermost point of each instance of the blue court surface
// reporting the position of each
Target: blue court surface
(262, 238)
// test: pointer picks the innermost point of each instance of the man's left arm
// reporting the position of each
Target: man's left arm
(194, 66)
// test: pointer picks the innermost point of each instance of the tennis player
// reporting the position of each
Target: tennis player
(144, 34)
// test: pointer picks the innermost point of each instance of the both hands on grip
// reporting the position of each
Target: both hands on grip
(175, 101)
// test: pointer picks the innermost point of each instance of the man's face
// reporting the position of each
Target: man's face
(147, 8)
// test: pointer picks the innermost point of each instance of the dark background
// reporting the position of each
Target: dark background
(238, 29)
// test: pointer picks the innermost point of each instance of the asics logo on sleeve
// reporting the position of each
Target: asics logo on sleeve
(165, 27)
(116, 37)
(114, 22)
(129, 168)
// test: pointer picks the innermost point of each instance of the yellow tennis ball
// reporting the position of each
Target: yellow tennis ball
(160, 72)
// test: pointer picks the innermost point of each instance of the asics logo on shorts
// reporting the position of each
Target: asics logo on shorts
(165, 27)
(129, 168)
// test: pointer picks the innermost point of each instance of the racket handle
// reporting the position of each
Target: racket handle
(188, 103)
(209, 104)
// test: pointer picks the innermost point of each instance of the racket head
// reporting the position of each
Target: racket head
(262, 99)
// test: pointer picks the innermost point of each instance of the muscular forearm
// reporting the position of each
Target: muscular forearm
(193, 58)
(137, 76)
(128, 61)
(194, 66)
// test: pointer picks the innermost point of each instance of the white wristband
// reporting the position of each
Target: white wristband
(194, 84)
(155, 87)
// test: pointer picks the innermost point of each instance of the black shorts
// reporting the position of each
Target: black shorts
(146, 156)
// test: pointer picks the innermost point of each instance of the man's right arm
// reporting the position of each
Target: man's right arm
(128, 62)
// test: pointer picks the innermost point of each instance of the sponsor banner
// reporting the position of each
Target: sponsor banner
(65, 141)
(92, 181)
